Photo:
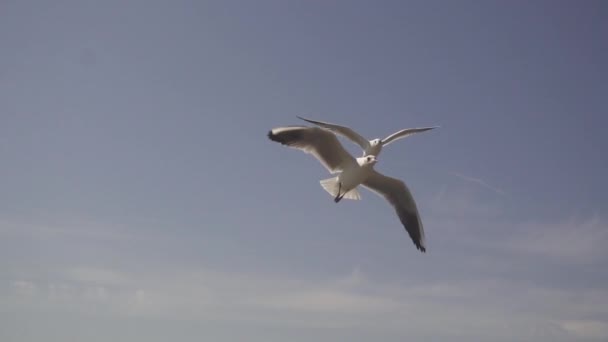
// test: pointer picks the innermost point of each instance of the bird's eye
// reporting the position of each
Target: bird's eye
(368, 158)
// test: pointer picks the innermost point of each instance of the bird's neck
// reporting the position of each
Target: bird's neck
(374, 150)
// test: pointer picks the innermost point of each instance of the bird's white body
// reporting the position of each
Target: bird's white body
(355, 174)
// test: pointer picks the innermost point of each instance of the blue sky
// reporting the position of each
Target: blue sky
(140, 199)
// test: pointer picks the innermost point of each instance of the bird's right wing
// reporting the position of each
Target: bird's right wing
(320, 143)
(404, 133)
(341, 130)
(400, 197)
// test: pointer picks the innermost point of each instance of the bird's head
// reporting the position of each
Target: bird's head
(375, 142)
(369, 160)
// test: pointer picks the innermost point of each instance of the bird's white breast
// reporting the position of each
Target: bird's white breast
(353, 176)
(373, 150)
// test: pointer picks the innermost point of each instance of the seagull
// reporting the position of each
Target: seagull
(352, 172)
(374, 146)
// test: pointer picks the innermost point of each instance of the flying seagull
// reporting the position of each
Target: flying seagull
(352, 172)
(369, 146)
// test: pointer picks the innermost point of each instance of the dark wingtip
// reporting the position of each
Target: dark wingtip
(275, 137)
(419, 245)
(305, 119)
(286, 137)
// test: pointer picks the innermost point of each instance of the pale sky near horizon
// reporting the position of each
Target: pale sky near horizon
(140, 199)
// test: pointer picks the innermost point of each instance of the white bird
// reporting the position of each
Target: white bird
(373, 146)
(324, 146)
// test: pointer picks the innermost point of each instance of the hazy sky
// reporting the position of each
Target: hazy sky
(140, 199)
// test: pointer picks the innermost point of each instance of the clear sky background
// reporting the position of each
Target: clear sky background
(140, 199)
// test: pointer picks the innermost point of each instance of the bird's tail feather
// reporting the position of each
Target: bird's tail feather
(331, 186)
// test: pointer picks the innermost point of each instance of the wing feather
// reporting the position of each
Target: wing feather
(400, 197)
(404, 133)
(341, 130)
(322, 144)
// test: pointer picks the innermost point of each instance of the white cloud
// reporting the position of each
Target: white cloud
(355, 278)
(96, 276)
(24, 288)
(587, 328)
(573, 240)
(60, 291)
(96, 293)
(327, 301)
(458, 217)
(475, 308)
(139, 296)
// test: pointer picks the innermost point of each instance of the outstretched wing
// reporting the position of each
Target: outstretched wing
(319, 142)
(399, 196)
(341, 130)
(405, 133)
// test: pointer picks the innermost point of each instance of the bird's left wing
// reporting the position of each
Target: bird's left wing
(341, 130)
(320, 143)
(400, 197)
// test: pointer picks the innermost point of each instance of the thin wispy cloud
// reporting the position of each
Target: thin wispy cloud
(87, 229)
(98, 276)
(24, 288)
(479, 182)
(456, 203)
